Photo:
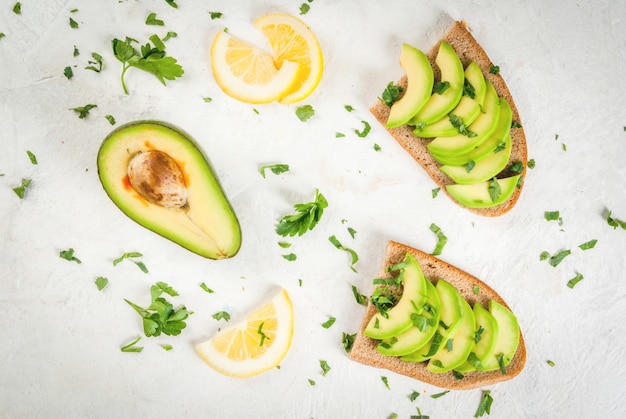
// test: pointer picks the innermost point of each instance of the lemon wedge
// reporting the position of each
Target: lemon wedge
(256, 344)
(293, 41)
(249, 74)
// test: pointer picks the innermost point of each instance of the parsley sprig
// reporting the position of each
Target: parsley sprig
(150, 58)
(306, 218)
(160, 316)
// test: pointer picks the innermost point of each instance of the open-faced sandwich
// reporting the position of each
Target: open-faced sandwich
(436, 323)
(455, 115)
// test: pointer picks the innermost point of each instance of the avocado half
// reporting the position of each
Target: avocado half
(202, 221)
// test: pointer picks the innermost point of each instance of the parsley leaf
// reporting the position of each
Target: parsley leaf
(494, 189)
(572, 282)
(306, 218)
(17, 8)
(558, 257)
(110, 118)
(221, 315)
(551, 215)
(440, 87)
(83, 111)
(435, 192)
(101, 282)
(348, 341)
(325, 367)
(391, 94)
(69, 255)
(304, 8)
(457, 123)
(360, 298)
(331, 320)
(349, 108)
(97, 62)
(275, 168)
(206, 288)
(441, 239)
(414, 395)
(468, 89)
(614, 222)
(443, 393)
(32, 157)
(216, 15)
(338, 245)
(20, 191)
(152, 20)
(67, 72)
(151, 60)
(588, 245)
(130, 347)
(172, 3)
(73, 24)
(495, 69)
(132, 255)
(290, 257)
(263, 335)
(366, 130)
(304, 113)
(160, 316)
(385, 381)
(485, 404)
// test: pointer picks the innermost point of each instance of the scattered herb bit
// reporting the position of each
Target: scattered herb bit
(262, 334)
(470, 165)
(441, 239)
(414, 396)
(443, 393)
(551, 363)
(460, 126)
(351, 231)
(130, 347)
(307, 217)
(385, 381)
(206, 288)
(564, 147)
(348, 108)
(311, 382)
(95, 65)
(449, 345)
(221, 315)
(17, 8)
(32, 157)
(304, 113)
(531, 164)
(329, 322)
(419, 415)
(325, 367)
(556, 137)
(393, 416)
(275, 168)
(216, 15)
(284, 245)
(255, 110)
(83, 111)
(101, 282)
(435, 192)
(485, 404)
(152, 20)
(348, 341)
(353, 254)
(300, 282)
(160, 316)
(614, 222)
(169, 35)
(458, 375)
(110, 118)
(290, 257)
(73, 24)
(516, 124)
(501, 146)
(494, 189)
(172, 3)
(2, 35)
(67, 72)
(377, 147)
(476, 289)
(151, 60)
(207, 99)
(20, 191)
(391, 94)
(339, 135)
(500, 358)
(69, 255)
(478, 334)
(366, 130)
(76, 52)
(572, 282)
(304, 8)
(495, 69)
(360, 298)
(468, 89)
(552, 215)
(558, 257)
(440, 87)
(132, 255)
(517, 167)
(167, 347)
(588, 245)
(435, 344)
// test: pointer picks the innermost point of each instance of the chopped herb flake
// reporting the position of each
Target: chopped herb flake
(443, 393)
(110, 118)
(353, 254)
(339, 135)
(307, 217)
(275, 168)
(414, 395)
(494, 189)
(485, 404)
(304, 8)
(73, 24)
(69, 255)
(31, 157)
(440, 87)
(494, 69)
(366, 130)
(83, 111)
(551, 363)
(96, 64)
(391, 94)
(329, 322)
(304, 113)
(558, 257)
(360, 298)
(385, 382)
(348, 341)
(325, 367)
(221, 315)
(152, 20)
(290, 257)
(206, 288)
(476, 289)
(441, 239)
(572, 282)
(67, 72)
(101, 282)
(435, 192)
(216, 15)
(460, 126)
(588, 245)
(20, 191)
(262, 334)
(130, 347)
(348, 108)
(614, 222)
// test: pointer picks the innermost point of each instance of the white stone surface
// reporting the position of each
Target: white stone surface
(59, 353)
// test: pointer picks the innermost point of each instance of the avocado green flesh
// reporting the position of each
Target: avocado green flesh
(462, 342)
(467, 109)
(482, 127)
(398, 318)
(508, 336)
(207, 225)
(476, 195)
(414, 338)
(498, 136)
(487, 343)
(420, 79)
(440, 104)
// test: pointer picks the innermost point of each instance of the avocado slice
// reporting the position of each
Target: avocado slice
(398, 319)
(485, 339)
(477, 195)
(440, 104)
(507, 340)
(158, 176)
(420, 80)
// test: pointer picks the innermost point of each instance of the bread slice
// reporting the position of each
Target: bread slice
(364, 348)
(468, 50)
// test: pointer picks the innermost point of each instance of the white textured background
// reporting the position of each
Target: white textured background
(564, 63)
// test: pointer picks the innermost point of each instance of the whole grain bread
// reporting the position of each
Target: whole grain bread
(468, 50)
(364, 348)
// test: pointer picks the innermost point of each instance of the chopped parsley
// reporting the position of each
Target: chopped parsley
(494, 190)
(385, 382)
(206, 288)
(558, 257)
(160, 316)
(494, 69)
(391, 94)
(351, 231)
(517, 167)
(73, 24)
(96, 64)
(377, 147)
(476, 289)
(485, 404)
(366, 130)
(31, 157)
(110, 118)
(353, 254)
(67, 72)
(470, 165)
(339, 134)
(216, 15)
(101, 282)
(531, 164)
(304, 113)
(130, 347)
(17, 8)
(69, 255)
(166, 347)
(172, 3)
(553, 216)
(348, 341)
(414, 395)
(311, 382)
(20, 191)
(516, 124)
(152, 20)
(307, 217)
(207, 99)
(304, 8)
(221, 315)
(614, 222)
(132, 256)
(83, 111)
(457, 123)
(348, 108)
(150, 59)
(501, 146)
(290, 257)
(440, 87)
(572, 282)
(435, 192)
(331, 320)
(360, 298)
(551, 363)
(443, 393)
(468, 89)
(500, 358)
(478, 334)
(325, 367)
(441, 239)
(284, 245)
(588, 245)
(275, 168)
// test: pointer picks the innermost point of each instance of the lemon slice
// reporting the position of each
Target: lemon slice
(292, 40)
(248, 73)
(255, 344)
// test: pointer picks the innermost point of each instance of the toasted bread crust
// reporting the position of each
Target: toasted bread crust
(364, 348)
(468, 50)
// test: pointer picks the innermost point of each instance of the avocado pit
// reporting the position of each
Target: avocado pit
(158, 179)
